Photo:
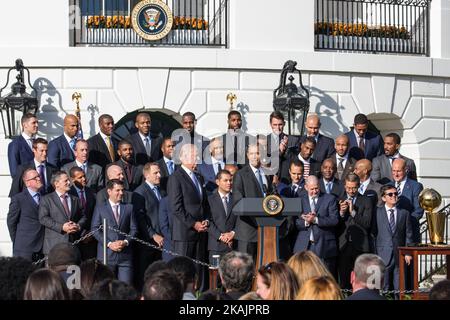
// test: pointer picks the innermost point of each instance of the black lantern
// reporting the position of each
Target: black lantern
(288, 100)
(16, 103)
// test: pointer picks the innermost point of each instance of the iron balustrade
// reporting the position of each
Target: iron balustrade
(377, 26)
(108, 23)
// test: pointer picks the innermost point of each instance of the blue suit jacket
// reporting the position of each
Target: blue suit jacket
(59, 152)
(324, 232)
(165, 224)
(207, 172)
(374, 146)
(126, 224)
(18, 153)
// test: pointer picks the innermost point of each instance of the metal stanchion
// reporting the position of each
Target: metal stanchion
(105, 241)
(214, 272)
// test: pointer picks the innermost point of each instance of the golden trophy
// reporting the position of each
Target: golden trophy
(231, 98)
(429, 200)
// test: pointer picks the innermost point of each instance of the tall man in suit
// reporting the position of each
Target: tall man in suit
(317, 224)
(93, 172)
(61, 213)
(166, 163)
(147, 198)
(20, 148)
(119, 216)
(382, 165)
(235, 141)
(367, 186)
(344, 163)
(222, 224)
(79, 189)
(102, 147)
(363, 143)
(328, 183)
(61, 149)
(250, 182)
(133, 176)
(39, 163)
(355, 217)
(211, 166)
(146, 146)
(324, 145)
(391, 229)
(189, 135)
(25, 230)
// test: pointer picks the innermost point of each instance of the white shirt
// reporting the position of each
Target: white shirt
(112, 204)
(325, 182)
(214, 163)
(358, 137)
(402, 184)
(389, 213)
(68, 138)
(303, 160)
(105, 138)
(79, 164)
(28, 139)
(190, 173)
(344, 162)
(145, 137)
(363, 186)
(261, 172)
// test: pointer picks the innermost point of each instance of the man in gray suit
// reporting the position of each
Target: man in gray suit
(93, 172)
(344, 163)
(61, 213)
(367, 186)
(382, 165)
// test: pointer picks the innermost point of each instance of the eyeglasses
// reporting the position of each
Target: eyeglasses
(391, 194)
(34, 178)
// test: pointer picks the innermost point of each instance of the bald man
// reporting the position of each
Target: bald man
(324, 145)
(367, 186)
(344, 162)
(61, 150)
(114, 172)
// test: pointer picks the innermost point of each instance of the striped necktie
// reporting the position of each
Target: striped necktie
(399, 189)
(305, 169)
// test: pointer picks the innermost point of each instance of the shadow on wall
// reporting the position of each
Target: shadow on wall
(387, 123)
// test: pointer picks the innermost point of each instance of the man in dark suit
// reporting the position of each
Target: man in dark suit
(189, 206)
(114, 172)
(146, 146)
(367, 278)
(147, 198)
(165, 225)
(93, 172)
(382, 165)
(119, 216)
(317, 224)
(391, 229)
(188, 135)
(40, 164)
(250, 182)
(61, 214)
(296, 186)
(166, 163)
(25, 230)
(20, 148)
(367, 186)
(61, 149)
(211, 166)
(222, 224)
(133, 176)
(355, 217)
(363, 143)
(324, 145)
(79, 189)
(328, 183)
(102, 146)
(344, 163)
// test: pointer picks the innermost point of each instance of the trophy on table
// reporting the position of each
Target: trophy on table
(429, 200)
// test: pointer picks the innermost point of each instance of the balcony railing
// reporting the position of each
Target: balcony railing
(108, 23)
(387, 26)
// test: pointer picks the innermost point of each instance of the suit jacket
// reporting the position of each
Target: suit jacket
(181, 137)
(127, 224)
(220, 222)
(337, 189)
(17, 184)
(382, 169)
(140, 155)
(19, 152)
(324, 148)
(59, 152)
(236, 150)
(147, 212)
(314, 166)
(374, 146)
(25, 230)
(137, 177)
(348, 168)
(355, 231)
(165, 225)
(186, 205)
(98, 151)
(373, 192)
(409, 200)
(88, 210)
(386, 242)
(94, 174)
(286, 191)
(245, 185)
(52, 216)
(102, 196)
(366, 294)
(164, 173)
(207, 172)
(324, 232)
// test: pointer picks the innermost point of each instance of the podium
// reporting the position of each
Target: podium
(268, 242)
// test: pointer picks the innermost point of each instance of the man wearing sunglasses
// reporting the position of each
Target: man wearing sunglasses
(391, 229)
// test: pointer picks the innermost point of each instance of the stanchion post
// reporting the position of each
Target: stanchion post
(214, 272)
(105, 241)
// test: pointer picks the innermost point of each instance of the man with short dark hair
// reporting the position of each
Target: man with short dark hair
(133, 177)
(236, 272)
(328, 183)
(163, 285)
(188, 135)
(363, 143)
(186, 272)
(61, 149)
(166, 163)
(235, 140)
(102, 146)
(324, 146)
(212, 165)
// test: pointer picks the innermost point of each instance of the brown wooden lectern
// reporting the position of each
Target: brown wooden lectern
(268, 248)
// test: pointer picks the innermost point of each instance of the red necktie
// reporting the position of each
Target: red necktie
(82, 199)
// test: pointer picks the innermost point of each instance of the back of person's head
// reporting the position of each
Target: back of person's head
(154, 267)
(92, 272)
(367, 267)
(210, 295)
(320, 288)
(307, 265)
(14, 272)
(163, 285)
(236, 271)
(441, 290)
(280, 279)
(111, 289)
(252, 295)
(62, 255)
(184, 269)
(45, 284)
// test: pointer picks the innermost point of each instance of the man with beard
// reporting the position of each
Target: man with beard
(132, 173)
(102, 147)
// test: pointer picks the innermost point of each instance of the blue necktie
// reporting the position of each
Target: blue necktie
(156, 191)
(72, 143)
(37, 197)
(170, 166)
(196, 183)
(328, 187)
(260, 181)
